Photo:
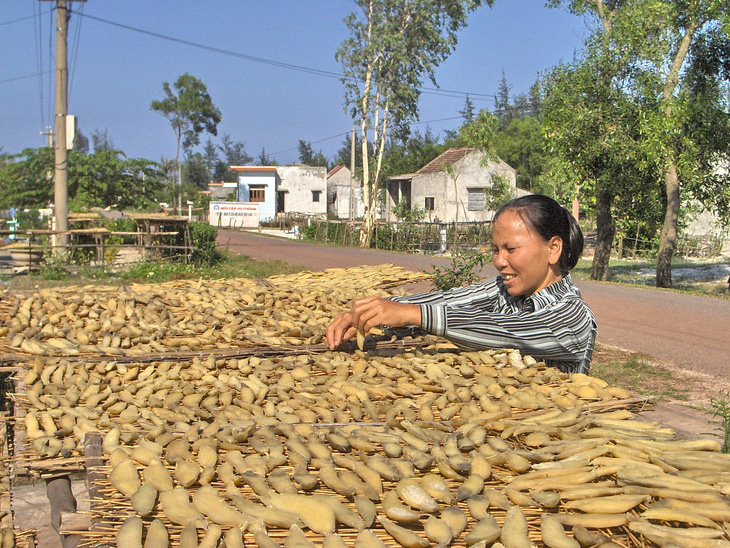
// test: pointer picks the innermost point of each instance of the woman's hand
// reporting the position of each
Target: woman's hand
(370, 312)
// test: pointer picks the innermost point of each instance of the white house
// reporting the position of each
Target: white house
(283, 189)
(706, 225)
(302, 189)
(450, 187)
(339, 185)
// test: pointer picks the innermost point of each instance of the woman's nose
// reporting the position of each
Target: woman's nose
(498, 259)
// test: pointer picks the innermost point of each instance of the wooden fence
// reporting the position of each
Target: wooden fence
(413, 237)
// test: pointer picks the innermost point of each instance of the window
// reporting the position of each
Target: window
(316, 195)
(477, 201)
(429, 203)
(257, 193)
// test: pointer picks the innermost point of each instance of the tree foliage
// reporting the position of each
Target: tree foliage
(642, 122)
(394, 45)
(308, 157)
(101, 179)
(190, 111)
(101, 140)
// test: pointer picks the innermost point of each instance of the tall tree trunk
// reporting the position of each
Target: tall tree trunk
(366, 228)
(668, 237)
(604, 237)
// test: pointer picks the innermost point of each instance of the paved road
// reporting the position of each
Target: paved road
(685, 330)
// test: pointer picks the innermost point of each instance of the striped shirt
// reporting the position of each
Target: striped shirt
(554, 325)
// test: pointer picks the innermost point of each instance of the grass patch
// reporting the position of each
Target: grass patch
(641, 377)
(707, 279)
(232, 266)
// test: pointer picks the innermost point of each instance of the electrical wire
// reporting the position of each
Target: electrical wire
(34, 75)
(75, 49)
(280, 64)
(2, 24)
(347, 133)
(38, 60)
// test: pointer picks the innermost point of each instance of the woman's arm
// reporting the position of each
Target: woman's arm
(562, 331)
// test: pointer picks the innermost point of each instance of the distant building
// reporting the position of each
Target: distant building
(220, 191)
(453, 182)
(295, 189)
(706, 225)
(339, 184)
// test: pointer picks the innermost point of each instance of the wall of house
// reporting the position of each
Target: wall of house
(467, 173)
(267, 179)
(220, 192)
(298, 183)
(338, 196)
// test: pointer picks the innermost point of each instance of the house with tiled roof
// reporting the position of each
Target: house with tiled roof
(450, 187)
(340, 186)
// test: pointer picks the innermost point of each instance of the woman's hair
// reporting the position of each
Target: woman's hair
(548, 218)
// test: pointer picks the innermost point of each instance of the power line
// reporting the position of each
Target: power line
(220, 50)
(280, 64)
(39, 62)
(347, 133)
(75, 49)
(23, 18)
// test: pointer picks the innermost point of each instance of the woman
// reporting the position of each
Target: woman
(532, 306)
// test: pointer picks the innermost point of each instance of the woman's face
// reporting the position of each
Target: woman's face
(526, 262)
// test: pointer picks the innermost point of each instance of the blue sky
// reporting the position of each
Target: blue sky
(115, 72)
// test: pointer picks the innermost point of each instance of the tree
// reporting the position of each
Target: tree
(264, 159)
(393, 45)
(502, 106)
(410, 154)
(101, 179)
(190, 111)
(306, 154)
(101, 140)
(645, 57)
(81, 142)
(522, 146)
(591, 121)
(343, 155)
(467, 113)
(682, 24)
(308, 157)
(234, 154)
(195, 172)
(211, 158)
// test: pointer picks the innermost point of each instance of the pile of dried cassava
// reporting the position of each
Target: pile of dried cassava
(402, 445)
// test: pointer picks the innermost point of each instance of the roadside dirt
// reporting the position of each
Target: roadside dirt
(689, 416)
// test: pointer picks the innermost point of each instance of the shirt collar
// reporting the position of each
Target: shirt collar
(553, 293)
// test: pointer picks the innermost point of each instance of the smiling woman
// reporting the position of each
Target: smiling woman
(531, 306)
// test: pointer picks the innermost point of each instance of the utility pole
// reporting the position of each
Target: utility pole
(61, 154)
(49, 133)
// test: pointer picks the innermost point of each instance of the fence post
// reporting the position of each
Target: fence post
(620, 247)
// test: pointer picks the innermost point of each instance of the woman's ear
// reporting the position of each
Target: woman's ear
(555, 249)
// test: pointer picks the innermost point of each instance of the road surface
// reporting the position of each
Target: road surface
(687, 331)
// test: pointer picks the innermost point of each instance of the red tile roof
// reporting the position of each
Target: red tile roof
(451, 156)
(335, 170)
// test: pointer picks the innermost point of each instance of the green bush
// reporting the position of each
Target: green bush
(202, 236)
(461, 272)
(157, 271)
